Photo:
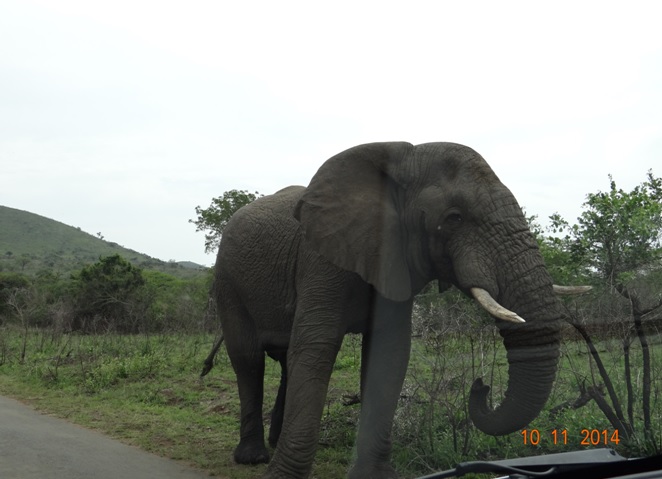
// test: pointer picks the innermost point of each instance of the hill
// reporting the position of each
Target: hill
(30, 243)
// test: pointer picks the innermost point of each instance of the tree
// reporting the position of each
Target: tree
(108, 291)
(618, 241)
(10, 282)
(212, 220)
(557, 251)
(619, 235)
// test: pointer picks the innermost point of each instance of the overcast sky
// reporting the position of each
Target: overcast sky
(121, 117)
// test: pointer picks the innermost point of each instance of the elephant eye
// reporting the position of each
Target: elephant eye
(451, 222)
(453, 219)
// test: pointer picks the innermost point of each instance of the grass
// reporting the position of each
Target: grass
(144, 390)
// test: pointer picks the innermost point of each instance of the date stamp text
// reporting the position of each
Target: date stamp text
(586, 437)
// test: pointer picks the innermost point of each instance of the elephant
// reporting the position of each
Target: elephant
(299, 269)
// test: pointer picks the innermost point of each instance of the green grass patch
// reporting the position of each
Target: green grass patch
(144, 390)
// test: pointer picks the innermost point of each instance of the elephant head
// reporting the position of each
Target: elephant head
(401, 215)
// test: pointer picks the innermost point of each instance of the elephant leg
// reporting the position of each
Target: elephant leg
(247, 359)
(250, 380)
(316, 339)
(385, 356)
(279, 407)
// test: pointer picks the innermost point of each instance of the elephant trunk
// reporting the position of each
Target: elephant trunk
(532, 370)
(532, 351)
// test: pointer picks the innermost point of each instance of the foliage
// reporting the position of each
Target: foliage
(8, 283)
(619, 233)
(617, 244)
(172, 300)
(212, 220)
(108, 293)
(112, 294)
(557, 252)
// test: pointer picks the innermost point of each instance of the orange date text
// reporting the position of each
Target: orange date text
(586, 437)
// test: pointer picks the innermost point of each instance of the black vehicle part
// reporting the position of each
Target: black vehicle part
(592, 463)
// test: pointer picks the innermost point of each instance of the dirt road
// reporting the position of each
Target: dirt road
(33, 445)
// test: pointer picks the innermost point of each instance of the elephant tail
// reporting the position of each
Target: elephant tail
(209, 362)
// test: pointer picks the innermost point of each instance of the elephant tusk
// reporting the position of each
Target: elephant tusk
(570, 290)
(490, 305)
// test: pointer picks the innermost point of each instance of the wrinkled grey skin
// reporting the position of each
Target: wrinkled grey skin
(299, 269)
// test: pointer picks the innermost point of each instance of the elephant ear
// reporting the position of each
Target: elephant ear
(350, 214)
